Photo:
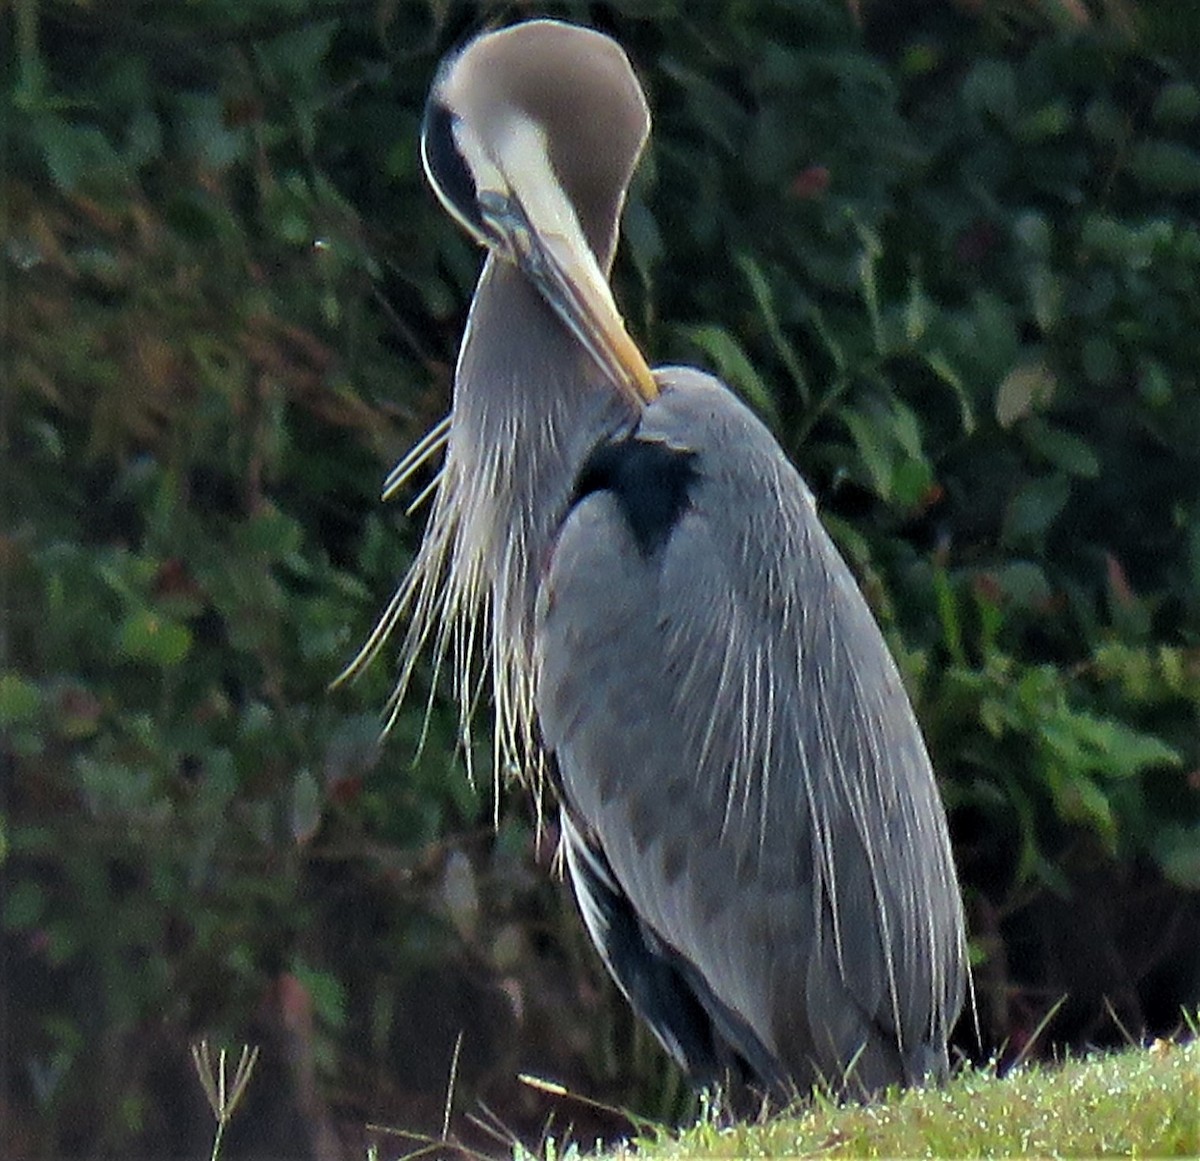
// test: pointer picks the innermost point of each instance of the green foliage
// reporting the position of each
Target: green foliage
(954, 263)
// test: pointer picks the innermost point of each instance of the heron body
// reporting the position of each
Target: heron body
(750, 822)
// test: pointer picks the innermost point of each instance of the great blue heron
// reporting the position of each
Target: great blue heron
(750, 821)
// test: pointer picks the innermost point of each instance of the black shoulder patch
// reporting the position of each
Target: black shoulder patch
(650, 481)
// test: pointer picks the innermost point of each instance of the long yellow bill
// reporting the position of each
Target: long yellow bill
(571, 282)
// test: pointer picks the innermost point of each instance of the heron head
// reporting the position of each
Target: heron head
(530, 139)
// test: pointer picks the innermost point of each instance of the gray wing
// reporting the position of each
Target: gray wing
(736, 748)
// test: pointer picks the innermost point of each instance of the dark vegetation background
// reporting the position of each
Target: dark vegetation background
(949, 251)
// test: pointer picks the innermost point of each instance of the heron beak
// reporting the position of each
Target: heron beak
(557, 259)
(571, 282)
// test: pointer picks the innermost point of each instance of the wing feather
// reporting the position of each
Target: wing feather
(732, 732)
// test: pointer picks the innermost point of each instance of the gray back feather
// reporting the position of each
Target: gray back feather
(728, 721)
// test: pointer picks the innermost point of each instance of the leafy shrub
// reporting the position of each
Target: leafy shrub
(957, 270)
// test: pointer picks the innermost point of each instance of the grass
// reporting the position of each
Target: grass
(223, 1091)
(1136, 1103)
(1142, 1102)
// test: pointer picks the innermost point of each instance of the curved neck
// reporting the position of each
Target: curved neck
(529, 405)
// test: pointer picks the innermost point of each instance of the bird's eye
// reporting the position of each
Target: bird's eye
(447, 169)
(506, 228)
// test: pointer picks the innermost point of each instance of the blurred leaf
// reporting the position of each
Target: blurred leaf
(1045, 124)
(874, 450)
(1064, 450)
(1035, 507)
(1105, 120)
(460, 893)
(994, 339)
(912, 482)
(148, 636)
(942, 368)
(1154, 384)
(1101, 360)
(1178, 852)
(642, 239)
(1034, 231)
(294, 56)
(917, 313)
(307, 802)
(991, 87)
(1117, 750)
(948, 615)
(733, 365)
(1177, 103)
(1027, 388)
(200, 123)
(273, 533)
(119, 791)
(218, 783)
(763, 300)
(1047, 292)
(326, 992)
(24, 905)
(74, 153)
(1024, 582)
(715, 112)
(1079, 799)
(19, 699)
(1166, 166)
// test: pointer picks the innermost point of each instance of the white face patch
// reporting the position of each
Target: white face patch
(524, 166)
(523, 154)
(487, 174)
